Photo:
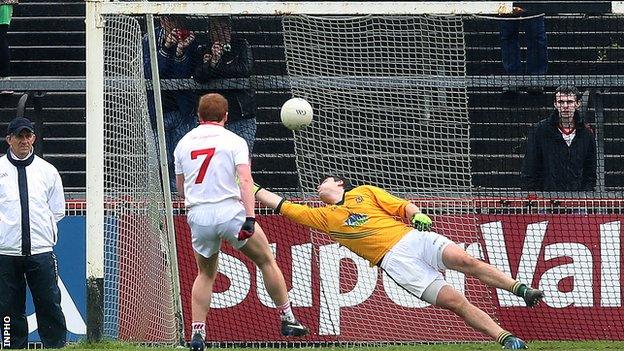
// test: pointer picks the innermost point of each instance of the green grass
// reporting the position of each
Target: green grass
(535, 345)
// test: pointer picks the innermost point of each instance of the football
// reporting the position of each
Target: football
(296, 114)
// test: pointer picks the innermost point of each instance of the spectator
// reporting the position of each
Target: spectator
(561, 151)
(31, 203)
(6, 12)
(537, 51)
(177, 58)
(228, 56)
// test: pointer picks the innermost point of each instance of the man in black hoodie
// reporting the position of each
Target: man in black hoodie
(561, 150)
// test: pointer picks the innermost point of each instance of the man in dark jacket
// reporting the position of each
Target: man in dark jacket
(561, 151)
(177, 58)
(228, 56)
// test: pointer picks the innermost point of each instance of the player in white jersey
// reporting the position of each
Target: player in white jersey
(208, 160)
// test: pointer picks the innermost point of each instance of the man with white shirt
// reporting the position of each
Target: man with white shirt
(208, 161)
(31, 203)
(561, 150)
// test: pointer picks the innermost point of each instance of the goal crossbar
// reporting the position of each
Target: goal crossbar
(307, 7)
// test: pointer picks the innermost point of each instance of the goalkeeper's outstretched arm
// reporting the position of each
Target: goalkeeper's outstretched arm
(309, 217)
(267, 198)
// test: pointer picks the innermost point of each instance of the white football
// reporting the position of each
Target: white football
(296, 114)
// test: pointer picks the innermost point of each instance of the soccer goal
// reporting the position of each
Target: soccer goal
(388, 85)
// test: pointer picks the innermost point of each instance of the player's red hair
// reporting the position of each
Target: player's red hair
(212, 107)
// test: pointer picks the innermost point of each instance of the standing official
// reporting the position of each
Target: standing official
(31, 203)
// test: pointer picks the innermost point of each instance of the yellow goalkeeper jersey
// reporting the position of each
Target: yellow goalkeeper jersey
(364, 222)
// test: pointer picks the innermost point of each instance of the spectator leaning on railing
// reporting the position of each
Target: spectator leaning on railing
(6, 12)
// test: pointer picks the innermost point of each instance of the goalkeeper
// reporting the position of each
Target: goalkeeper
(363, 219)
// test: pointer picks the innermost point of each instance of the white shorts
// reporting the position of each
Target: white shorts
(211, 223)
(416, 260)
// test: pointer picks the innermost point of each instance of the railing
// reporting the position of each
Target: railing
(593, 86)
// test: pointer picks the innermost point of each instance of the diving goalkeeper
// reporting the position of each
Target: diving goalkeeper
(363, 220)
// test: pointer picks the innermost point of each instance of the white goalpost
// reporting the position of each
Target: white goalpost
(387, 82)
(132, 261)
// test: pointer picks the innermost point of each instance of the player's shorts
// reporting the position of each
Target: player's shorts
(211, 223)
(416, 261)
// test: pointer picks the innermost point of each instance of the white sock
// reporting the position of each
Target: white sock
(199, 327)
(286, 313)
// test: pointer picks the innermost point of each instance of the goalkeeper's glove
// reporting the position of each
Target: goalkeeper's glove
(247, 230)
(422, 222)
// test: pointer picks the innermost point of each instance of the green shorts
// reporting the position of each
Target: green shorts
(6, 12)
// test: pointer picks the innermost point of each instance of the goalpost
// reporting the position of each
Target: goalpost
(387, 81)
(133, 291)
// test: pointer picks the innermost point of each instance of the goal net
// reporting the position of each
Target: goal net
(138, 298)
(390, 94)
(390, 103)
(390, 110)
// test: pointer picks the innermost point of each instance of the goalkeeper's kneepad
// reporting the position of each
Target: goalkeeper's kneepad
(421, 221)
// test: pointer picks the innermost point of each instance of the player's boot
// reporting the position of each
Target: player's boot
(197, 343)
(294, 329)
(533, 296)
(514, 343)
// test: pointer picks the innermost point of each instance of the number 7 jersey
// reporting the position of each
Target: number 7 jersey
(207, 156)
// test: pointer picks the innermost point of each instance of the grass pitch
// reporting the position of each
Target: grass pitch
(535, 345)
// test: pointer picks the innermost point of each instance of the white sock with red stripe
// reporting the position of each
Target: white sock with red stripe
(286, 313)
(199, 327)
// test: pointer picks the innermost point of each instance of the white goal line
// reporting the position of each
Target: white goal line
(304, 7)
